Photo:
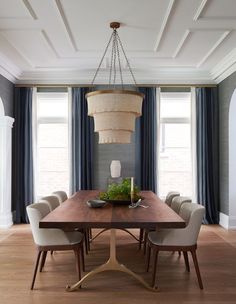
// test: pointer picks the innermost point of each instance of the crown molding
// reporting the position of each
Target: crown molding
(9, 70)
(225, 67)
(150, 76)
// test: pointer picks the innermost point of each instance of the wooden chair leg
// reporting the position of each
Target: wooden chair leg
(179, 253)
(82, 257)
(186, 260)
(51, 252)
(148, 257)
(88, 239)
(194, 256)
(43, 260)
(145, 241)
(140, 238)
(156, 252)
(77, 262)
(35, 269)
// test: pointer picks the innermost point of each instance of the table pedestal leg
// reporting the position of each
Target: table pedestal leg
(111, 264)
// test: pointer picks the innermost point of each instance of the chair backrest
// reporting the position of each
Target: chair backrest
(193, 216)
(51, 200)
(178, 201)
(61, 195)
(170, 195)
(42, 236)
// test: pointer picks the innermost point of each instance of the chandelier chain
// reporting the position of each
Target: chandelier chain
(112, 56)
(115, 60)
(100, 63)
(118, 55)
(127, 61)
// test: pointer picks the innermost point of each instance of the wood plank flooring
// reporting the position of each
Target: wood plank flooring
(216, 255)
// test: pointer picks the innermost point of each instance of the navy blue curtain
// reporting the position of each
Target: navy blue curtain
(146, 142)
(82, 142)
(207, 116)
(22, 173)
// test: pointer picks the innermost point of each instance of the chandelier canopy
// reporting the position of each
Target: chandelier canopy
(114, 109)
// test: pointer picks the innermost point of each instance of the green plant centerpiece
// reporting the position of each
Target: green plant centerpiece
(120, 192)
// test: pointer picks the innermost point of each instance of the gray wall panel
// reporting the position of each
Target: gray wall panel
(225, 89)
(7, 94)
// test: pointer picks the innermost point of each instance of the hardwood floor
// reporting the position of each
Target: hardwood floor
(216, 255)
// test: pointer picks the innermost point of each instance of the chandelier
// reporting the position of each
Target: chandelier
(115, 109)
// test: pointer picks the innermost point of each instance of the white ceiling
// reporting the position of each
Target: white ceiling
(167, 41)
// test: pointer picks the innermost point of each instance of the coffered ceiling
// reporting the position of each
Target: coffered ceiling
(167, 41)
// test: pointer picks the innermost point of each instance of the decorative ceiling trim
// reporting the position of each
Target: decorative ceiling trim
(49, 42)
(30, 9)
(164, 23)
(8, 70)
(181, 43)
(66, 24)
(225, 67)
(214, 47)
(200, 10)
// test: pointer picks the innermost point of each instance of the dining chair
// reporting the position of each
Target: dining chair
(54, 201)
(144, 232)
(184, 240)
(178, 201)
(61, 195)
(170, 195)
(51, 200)
(52, 239)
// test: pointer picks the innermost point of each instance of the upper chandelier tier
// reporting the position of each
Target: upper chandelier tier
(114, 109)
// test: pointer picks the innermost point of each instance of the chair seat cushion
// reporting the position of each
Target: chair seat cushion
(74, 237)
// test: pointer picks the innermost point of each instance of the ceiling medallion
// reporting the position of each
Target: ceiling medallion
(114, 110)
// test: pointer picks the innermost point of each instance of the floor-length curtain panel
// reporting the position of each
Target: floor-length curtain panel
(146, 142)
(23, 185)
(82, 138)
(207, 142)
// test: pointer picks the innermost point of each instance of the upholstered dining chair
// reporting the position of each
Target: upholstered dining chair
(178, 201)
(61, 195)
(144, 232)
(178, 239)
(170, 195)
(51, 200)
(52, 239)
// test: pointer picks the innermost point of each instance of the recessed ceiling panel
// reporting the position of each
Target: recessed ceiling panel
(219, 9)
(89, 22)
(32, 45)
(13, 9)
(197, 45)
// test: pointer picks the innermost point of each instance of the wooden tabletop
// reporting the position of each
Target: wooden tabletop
(75, 213)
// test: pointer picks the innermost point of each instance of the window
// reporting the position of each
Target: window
(175, 165)
(52, 143)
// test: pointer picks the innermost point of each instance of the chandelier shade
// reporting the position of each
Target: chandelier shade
(114, 110)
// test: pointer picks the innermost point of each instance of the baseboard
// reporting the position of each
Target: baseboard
(228, 222)
(224, 220)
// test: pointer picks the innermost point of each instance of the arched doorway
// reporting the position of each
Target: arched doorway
(232, 161)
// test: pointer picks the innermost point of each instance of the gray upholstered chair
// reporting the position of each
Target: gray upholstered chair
(61, 195)
(178, 239)
(52, 239)
(178, 201)
(170, 195)
(51, 200)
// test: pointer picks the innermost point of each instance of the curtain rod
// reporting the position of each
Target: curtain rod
(139, 85)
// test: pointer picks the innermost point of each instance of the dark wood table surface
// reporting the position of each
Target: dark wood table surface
(75, 213)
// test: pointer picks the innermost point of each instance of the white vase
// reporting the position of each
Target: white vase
(115, 168)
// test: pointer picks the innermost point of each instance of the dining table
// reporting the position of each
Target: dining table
(75, 213)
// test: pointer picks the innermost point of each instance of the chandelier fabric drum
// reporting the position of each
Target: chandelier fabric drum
(114, 109)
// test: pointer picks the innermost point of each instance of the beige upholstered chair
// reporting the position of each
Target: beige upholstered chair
(179, 239)
(144, 232)
(52, 239)
(178, 201)
(170, 195)
(61, 195)
(51, 200)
